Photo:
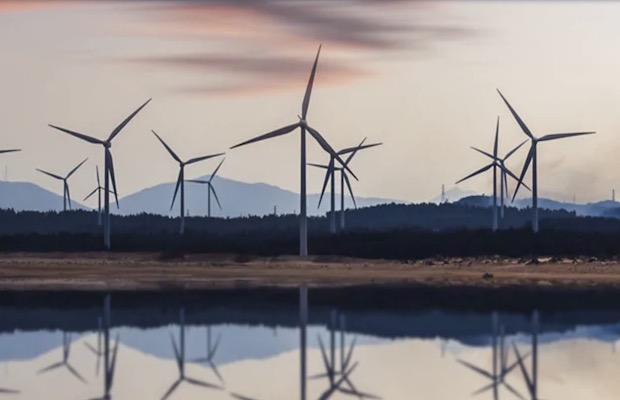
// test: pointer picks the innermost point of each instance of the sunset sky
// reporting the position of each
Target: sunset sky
(418, 76)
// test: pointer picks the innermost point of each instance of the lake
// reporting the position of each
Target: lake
(298, 343)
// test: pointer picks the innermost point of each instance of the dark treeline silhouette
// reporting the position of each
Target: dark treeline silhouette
(389, 231)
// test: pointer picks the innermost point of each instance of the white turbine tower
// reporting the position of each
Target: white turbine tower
(97, 190)
(108, 167)
(210, 188)
(495, 164)
(330, 174)
(181, 178)
(303, 125)
(532, 157)
(66, 196)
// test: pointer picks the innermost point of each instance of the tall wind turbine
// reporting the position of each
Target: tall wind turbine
(97, 190)
(66, 348)
(330, 174)
(210, 188)
(303, 125)
(181, 178)
(108, 167)
(66, 196)
(532, 158)
(495, 164)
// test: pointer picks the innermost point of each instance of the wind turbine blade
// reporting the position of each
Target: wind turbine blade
(76, 168)
(117, 130)
(51, 367)
(528, 160)
(329, 173)
(176, 189)
(348, 182)
(554, 136)
(172, 389)
(202, 383)
(113, 362)
(198, 181)
(195, 160)
(481, 170)
(9, 391)
(526, 376)
(326, 363)
(9, 151)
(90, 195)
(172, 153)
(216, 169)
(348, 150)
(306, 103)
(75, 373)
(513, 390)
(483, 152)
(476, 369)
(240, 397)
(50, 174)
(215, 195)
(91, 348)
(87, 138)
(484, 389)
(177, 355)
(112, 175)
(524, 127)
(347, 359)
(323, 143)
(511, 152)
(318, 165)
(269, 135)
(367, 146)
(496, 139)
(98, 180)
(215, 370)
(513, 176)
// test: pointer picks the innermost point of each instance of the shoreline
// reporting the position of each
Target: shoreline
(150, 272)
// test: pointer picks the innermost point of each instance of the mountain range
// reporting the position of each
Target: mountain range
(237, 199)
(241, 199)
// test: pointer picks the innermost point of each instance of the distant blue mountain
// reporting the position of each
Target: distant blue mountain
(237, 199)
(26, 196)
(606, 208)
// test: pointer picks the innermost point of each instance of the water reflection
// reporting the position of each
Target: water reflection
(179, 352)
(66, 348)
(322, 350)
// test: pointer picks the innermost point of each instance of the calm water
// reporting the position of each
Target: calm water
(284, 346)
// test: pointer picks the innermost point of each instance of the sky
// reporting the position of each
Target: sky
(421, 77)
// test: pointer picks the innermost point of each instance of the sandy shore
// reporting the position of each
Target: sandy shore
(136, 271)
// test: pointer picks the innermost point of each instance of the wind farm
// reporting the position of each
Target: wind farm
(348, 199)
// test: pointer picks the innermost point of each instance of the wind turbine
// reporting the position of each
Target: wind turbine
(109, 355)
(339, 378)
(503, 174)
(303, 125)
(66, 348)
(97, 190)
(330, 174)
(98, 351)
(179, 353)
(531, 378)
(66, 196)
(3, 152)
(210, 188)
(211, 350)
(532, 158)
(495, 164)
(181, 178)
(501, 369)
(108, 167)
